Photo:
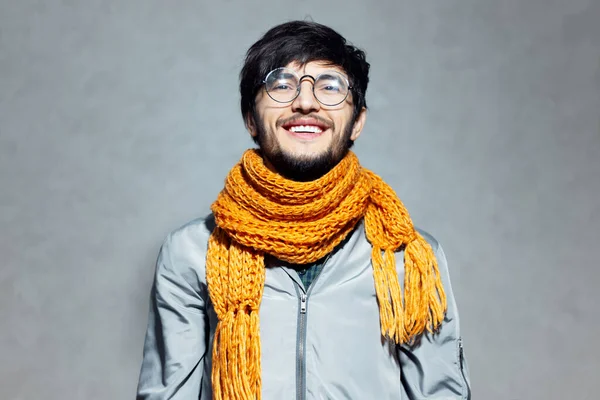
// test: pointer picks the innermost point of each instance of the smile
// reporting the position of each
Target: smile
(306, 128)
(305, 133)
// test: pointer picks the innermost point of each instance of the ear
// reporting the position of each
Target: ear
(359, 124)
(250, 125)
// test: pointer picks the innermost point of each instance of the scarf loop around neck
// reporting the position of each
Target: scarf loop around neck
(259, 212)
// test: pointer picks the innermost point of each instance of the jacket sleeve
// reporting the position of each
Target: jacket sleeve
(435, 368)
(175, 344)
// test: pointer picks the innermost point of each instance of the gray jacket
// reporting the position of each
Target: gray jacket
(321, 343)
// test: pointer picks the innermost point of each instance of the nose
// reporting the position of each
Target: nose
(306, 102)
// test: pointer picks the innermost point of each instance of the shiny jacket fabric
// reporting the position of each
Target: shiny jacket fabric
(321, 343)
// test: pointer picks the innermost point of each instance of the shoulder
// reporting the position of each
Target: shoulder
(442, 261)
(193, 236)
(183, 251)
(438, 251)
(433, 242)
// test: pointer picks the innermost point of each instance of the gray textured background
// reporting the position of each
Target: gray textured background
(119, 121)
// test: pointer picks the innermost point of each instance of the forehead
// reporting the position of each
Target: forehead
(314, 68)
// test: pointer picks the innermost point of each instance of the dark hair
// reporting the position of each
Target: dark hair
(303, 42)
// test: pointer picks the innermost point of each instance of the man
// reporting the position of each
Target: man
(308, 279)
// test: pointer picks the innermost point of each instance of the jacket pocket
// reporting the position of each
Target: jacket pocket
(464, 369)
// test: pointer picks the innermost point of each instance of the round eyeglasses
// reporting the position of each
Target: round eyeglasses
(330, 88)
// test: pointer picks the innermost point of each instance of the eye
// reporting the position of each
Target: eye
(331, 88)
(282, 85)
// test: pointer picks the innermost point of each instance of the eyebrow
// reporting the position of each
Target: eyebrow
(329, 74)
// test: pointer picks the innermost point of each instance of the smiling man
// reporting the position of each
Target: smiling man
(308, 280)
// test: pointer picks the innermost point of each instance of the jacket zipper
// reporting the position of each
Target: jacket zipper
(300, 350)
(301, 342)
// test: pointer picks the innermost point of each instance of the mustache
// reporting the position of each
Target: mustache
(295, 117)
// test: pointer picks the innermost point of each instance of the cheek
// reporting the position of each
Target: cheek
(264, 113)
(342, 123)
(268, 119)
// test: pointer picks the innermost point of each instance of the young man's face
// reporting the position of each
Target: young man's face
(303, 139)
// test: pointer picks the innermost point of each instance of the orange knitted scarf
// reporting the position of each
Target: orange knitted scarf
(259, 212)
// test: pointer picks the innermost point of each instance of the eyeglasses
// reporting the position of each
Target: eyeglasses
(330, 88)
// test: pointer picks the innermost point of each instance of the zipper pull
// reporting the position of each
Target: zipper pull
(303, 303)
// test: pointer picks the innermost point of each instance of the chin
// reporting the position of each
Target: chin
(301, 165)
(305, 154)
(312, 148)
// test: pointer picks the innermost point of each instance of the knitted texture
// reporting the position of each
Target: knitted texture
(259, 212)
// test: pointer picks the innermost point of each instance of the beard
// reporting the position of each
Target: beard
(302, 168)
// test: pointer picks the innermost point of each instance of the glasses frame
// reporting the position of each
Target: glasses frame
(300, 79)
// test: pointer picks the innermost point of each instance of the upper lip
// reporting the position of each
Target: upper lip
(304, 122)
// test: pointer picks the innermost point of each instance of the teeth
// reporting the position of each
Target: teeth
(306, 128)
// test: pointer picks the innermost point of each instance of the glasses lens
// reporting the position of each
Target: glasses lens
(282, 84)
(331, 88)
